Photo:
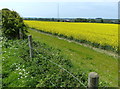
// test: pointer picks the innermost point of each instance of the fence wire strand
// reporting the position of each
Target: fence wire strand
(23, 42)
(63, 69)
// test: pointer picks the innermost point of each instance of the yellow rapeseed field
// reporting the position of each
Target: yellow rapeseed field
(103, 34)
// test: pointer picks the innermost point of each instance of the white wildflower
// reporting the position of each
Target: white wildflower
(23, 69)
(20, 73)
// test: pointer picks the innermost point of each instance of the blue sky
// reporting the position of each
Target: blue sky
(66, 9)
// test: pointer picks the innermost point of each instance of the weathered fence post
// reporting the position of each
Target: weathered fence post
(20, 34)
(30, 45)
(93, 80)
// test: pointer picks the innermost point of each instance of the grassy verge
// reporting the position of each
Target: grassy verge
(93, 44)
(84, 58)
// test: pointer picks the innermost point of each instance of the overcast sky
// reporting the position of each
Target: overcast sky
(67, 8)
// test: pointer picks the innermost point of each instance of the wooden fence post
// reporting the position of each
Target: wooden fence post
(30, 45)
(93, 80)
(20, 34)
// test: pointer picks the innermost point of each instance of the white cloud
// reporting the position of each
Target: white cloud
(59, 1)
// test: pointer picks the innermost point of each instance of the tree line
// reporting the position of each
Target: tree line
(97, 20)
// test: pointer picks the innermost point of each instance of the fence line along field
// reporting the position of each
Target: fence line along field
(97, 34)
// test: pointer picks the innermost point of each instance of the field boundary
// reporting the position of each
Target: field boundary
(93, 77)
(110, 53)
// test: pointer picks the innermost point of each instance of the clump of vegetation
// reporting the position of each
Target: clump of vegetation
(12, 24)
(40, 71)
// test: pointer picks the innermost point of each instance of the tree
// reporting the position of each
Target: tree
(102, 20)
(12, 24)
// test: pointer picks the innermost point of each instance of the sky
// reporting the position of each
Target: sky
(63, 8)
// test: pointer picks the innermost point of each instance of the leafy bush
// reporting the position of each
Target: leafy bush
(12, 24)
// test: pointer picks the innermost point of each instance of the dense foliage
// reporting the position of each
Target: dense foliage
(0, 17)
(40, 71)
(12, 24)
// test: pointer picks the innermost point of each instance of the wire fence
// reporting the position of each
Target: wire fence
(58, 73)
(54, 63)
(65, 70)
(93, 77)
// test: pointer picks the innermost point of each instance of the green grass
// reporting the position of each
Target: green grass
(83, 58)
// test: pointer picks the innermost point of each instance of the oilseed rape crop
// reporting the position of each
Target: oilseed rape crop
(102, 34)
